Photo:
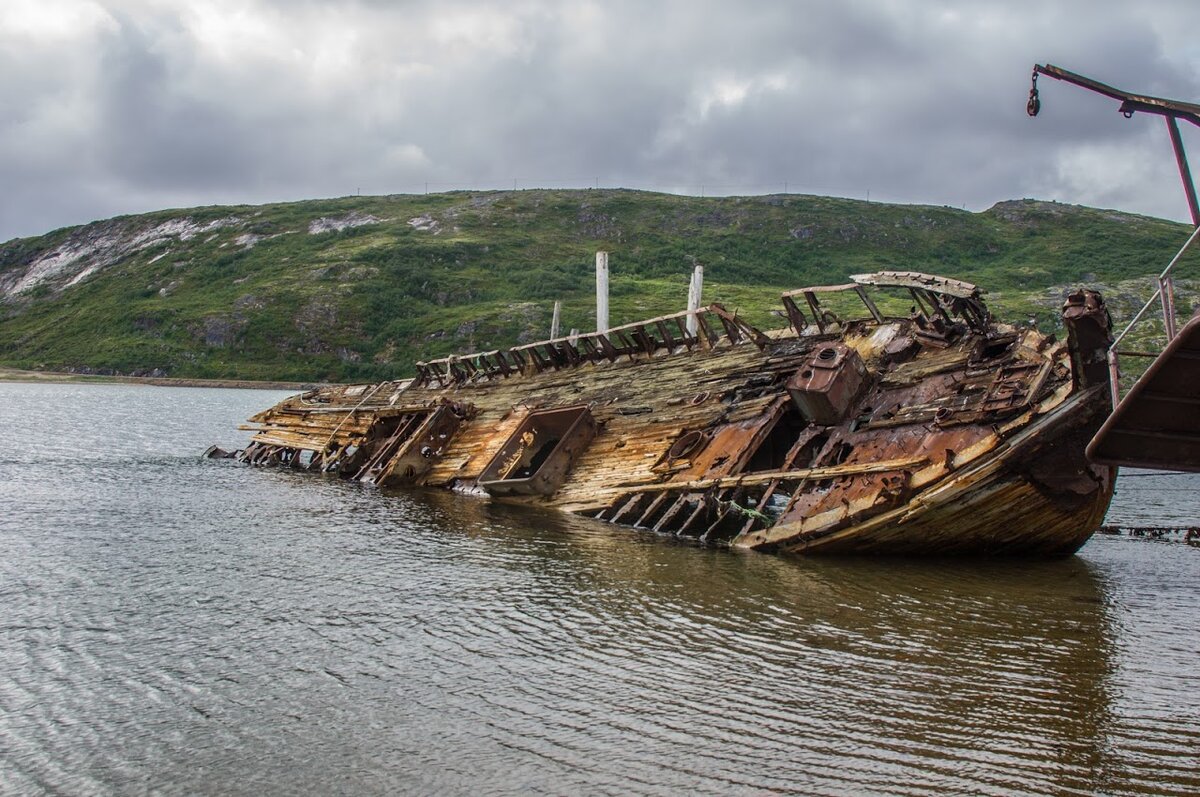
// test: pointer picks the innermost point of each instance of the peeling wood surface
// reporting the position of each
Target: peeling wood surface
(739, 436)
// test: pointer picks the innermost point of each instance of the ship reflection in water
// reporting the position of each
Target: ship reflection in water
(265, 631)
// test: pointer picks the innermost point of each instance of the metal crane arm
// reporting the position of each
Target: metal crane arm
(1129, 102)
(1170, 110)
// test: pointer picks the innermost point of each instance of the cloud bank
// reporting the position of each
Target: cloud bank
(120, 106)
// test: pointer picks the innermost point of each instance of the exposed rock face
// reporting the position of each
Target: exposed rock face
(314, 321)
(219, 332)
(1027, 212)
(425, 223)
(338, 223)
(91, 248)
(528, 317)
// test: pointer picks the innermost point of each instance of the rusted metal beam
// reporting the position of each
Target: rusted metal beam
(1130, 102)
(885, 466)
(1185, 173)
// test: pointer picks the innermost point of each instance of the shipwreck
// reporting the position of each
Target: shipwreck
(932, 429)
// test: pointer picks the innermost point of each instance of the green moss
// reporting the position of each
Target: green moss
(366, 301)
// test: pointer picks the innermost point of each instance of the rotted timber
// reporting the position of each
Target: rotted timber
(939, 432)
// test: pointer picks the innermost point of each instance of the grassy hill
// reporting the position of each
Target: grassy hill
(358, 288)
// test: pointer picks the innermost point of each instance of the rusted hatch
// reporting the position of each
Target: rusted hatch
(536, 458)
(400, 449)
(828, 383)
(424, 447)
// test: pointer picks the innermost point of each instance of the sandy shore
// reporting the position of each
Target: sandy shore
(15, 375)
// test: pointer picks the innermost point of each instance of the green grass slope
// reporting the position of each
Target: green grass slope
(360, 287)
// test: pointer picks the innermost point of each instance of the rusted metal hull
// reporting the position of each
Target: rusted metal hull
(941, 432)
(1037, 497)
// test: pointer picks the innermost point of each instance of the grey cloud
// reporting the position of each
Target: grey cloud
(160, 104)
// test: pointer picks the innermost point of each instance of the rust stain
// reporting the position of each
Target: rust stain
(941, 431)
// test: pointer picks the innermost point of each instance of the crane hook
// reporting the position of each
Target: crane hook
(1035, 104)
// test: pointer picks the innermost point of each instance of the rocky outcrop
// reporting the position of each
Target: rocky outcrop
(339, 223)
(91, 248)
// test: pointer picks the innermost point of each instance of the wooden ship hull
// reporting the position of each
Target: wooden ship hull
(938, 432)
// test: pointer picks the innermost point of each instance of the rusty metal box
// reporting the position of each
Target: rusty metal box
(536, 458)
(829, 382)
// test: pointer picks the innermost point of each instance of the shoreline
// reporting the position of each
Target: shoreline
(51, 377)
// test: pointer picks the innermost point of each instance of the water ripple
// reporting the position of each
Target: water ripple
(175, 626)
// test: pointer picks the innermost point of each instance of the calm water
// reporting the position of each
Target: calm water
(178, 626)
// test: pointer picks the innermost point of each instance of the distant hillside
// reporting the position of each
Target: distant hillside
(358, 288)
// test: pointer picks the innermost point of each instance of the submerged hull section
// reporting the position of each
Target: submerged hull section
(941, 432)
(1035, 497)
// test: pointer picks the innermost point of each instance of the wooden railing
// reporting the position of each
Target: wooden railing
(664, 334)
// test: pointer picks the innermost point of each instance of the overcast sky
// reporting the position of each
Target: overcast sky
(120, 106)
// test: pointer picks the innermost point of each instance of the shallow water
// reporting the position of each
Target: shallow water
(179, 626)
